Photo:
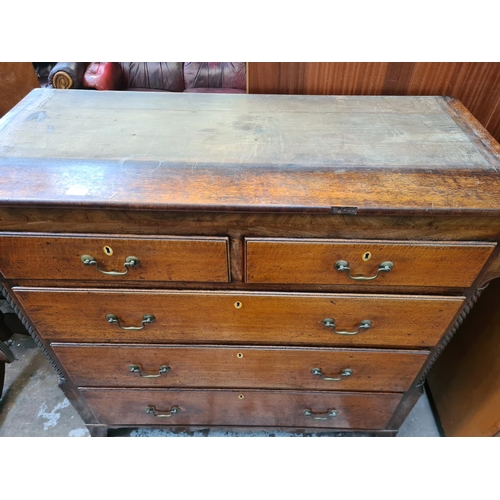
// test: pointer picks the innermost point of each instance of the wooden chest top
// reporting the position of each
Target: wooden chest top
(325, 154)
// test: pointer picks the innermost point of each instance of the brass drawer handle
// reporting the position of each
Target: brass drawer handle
(153, 411)
(363, 325)
(137, 369)
(343, 265)
(316, 416)
(130, 261)
(345, 373)
(146, 319)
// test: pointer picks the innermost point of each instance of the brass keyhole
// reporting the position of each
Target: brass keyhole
(367, 256)
(238, 304)
(241, 396)
(239, 355)
(108, 250)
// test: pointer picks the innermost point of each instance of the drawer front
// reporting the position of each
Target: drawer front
(240, 408)
(243, 367)
(157, 259)
(330, 262)
(239, 318)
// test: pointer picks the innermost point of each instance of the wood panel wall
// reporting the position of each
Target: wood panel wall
(477, 85)
(17, 79)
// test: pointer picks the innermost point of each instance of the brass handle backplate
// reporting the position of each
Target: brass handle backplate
(343, 265)
(146, 319)
(363, 325)
(321, 415)
(137, 369)
(130, 261)
(344, 374)
(153, 411)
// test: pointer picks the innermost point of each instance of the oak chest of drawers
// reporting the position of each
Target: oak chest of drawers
(245, 261)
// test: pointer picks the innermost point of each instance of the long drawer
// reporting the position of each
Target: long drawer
(338, 262)
(119, 407)
(96, 258)
(242, 366)
(238, 318)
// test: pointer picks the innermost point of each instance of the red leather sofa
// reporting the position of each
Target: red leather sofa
(220, 77)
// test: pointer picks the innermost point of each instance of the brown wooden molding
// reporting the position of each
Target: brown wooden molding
(32, 332)
(446, 339)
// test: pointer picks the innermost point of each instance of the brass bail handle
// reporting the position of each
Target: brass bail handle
(330, 323)
(130, 261)
(320, 415)
(137, 369)
(344, 374)
(343, 265)
(146, 319)
(151, 410)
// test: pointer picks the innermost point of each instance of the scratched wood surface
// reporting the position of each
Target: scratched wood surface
(41, 256)
(241, 407)
(312, 261)
(100, 365)
(283, 130)
(401, 321)
(476, 84)
(245, 152)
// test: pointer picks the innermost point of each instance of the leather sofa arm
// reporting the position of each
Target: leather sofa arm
(104, 76)
(67, 75)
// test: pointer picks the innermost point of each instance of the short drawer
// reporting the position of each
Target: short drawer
(374, 263)
(94, 258)
(117, 407)
(238, 317)
(240, 366)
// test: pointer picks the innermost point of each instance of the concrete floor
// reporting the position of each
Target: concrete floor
(33, 405)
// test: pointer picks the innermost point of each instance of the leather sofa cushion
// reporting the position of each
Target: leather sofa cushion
(229, 75)
(206, 90)
(153, 75)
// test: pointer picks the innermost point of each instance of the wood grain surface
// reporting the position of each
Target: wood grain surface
(226, 407)
(476, 84)
(465, 381)
(183, 182)
(415, 263)
(240, 366)
(246, 153)
(239, 129)
(236, 225)
(238, 317)
(17, 79)
(161, 259)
